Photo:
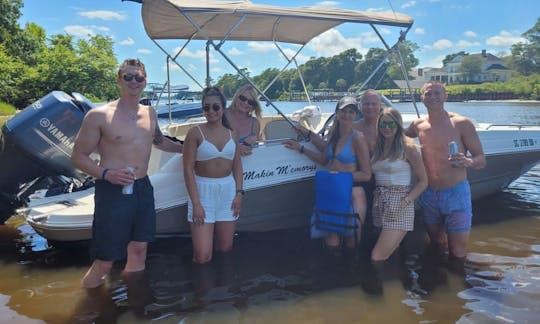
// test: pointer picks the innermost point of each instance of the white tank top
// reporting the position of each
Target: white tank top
(392, 173)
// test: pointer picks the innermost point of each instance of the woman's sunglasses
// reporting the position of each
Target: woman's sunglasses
(250, 102)
(215, 107)
(128, 77)
(392, 124)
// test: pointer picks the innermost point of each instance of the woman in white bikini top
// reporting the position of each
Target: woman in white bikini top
(214, 180)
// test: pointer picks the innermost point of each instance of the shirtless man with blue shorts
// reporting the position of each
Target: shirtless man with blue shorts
(122, 132)
(446, 203)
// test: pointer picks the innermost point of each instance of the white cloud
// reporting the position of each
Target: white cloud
(436, 62)
(300, 58)
(100, 28)
(127, 42)
(144, 51)
(332, 42)
(419, 31)
(442, 44)
(103, 14)
(333, 4)
(368, 37)
(408, 4)
(464, 43)
(261, 46)
(172, 67)
(78, 31)
(235, 52)
(375, 9)
(470, 33)
(198, 54)
(504, 39)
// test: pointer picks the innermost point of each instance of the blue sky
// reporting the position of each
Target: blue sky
(441, 27)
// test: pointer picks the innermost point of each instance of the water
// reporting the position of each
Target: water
(282, 277)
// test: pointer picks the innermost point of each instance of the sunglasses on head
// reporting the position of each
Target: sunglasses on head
(128, 77)
(250, 102)
(392, 124)
(215, 107)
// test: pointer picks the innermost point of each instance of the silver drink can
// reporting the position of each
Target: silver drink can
(453, 148)
(128, 189)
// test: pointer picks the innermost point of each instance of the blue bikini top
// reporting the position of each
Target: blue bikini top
(346, 155)
(243, 138)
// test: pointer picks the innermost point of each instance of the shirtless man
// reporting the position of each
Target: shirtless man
(446, 203)
(122, 132)
(370, 106)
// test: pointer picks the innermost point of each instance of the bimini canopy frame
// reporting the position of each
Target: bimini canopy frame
(219, 21)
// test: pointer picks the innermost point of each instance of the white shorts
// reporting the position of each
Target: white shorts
(216, 195)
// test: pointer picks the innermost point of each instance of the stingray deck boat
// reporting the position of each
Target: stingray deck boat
(279, 183)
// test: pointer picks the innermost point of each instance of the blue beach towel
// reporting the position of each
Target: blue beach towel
(333, 211)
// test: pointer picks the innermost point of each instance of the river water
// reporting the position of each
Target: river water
(283, 277)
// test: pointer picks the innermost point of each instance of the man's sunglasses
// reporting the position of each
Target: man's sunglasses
(128, 77)
(392, 124)
(250, 102)
(215, 107)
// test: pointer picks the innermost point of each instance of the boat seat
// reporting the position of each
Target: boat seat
(279, 129)
(333, 210)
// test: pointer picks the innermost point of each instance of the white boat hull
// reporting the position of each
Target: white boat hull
(279, 186)
(279, 194)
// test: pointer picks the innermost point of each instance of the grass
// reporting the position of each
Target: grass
(6, 111)
(3, 119)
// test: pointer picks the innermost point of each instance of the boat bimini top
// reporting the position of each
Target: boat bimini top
(219, 21)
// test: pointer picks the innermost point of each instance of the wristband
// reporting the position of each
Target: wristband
(104, 173)
(240, 191)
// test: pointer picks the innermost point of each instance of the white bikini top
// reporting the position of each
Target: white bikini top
(208, 151)
(397, 172)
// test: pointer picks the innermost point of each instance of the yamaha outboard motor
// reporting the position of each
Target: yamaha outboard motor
(38, 142)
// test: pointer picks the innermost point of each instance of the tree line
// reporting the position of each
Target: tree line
(33, 64)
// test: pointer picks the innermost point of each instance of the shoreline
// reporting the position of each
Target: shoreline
(505, 100)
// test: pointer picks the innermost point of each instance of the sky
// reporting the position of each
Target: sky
(441, 27)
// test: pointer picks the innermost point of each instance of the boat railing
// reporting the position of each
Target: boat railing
(518, 126)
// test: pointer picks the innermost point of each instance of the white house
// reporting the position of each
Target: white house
(492, 69)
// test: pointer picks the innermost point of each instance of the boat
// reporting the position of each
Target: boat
(179, 108)
(279, 183)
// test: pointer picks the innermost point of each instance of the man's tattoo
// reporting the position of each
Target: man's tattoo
(158, 136)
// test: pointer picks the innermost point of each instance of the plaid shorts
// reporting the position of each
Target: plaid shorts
(387, 212)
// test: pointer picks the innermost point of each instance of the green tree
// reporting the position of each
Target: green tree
(363, 70)
(262, 80)
(342, 66)
(471, 67)
(406, 50)
(14, 81)
(341, 85)
(450, 57)
(526, 57)
(97, 77)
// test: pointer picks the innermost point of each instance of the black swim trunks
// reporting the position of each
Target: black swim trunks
(119, 218)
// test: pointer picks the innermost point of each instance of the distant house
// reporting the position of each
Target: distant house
(493, 69)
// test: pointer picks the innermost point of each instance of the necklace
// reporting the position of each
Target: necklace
(132, 118)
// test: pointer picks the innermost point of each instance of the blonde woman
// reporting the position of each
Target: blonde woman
(400, 178)
(240, 116)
